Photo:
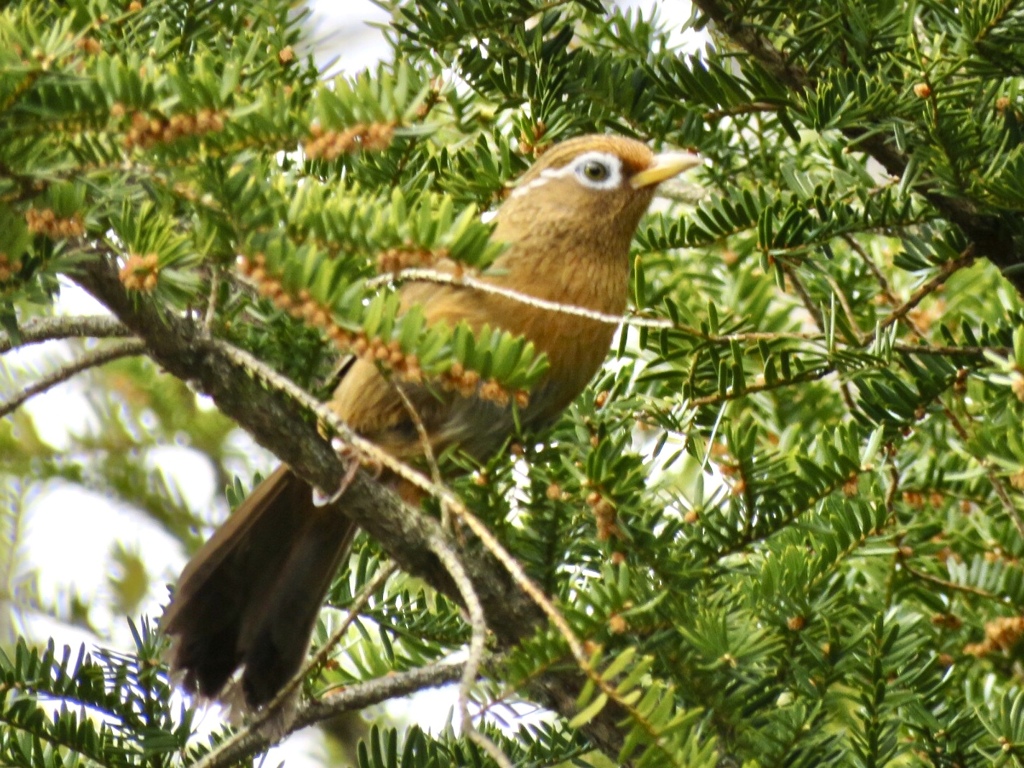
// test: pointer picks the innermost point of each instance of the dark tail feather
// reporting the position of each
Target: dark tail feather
(250, 596)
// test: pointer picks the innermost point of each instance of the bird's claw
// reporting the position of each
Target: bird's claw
(322, 499)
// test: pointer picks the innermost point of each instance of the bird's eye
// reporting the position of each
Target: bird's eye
(595, 170)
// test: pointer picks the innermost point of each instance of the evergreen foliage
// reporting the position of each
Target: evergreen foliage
(787, 519)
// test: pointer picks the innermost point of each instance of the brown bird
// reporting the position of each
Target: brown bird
(250, 597)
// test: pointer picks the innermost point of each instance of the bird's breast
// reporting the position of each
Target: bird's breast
(575, 344)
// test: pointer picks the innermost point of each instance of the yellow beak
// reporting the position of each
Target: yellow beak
(665, 166)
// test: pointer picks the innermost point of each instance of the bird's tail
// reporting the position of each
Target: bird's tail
(250, 596)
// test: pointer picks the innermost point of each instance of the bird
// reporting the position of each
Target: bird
(249, 598)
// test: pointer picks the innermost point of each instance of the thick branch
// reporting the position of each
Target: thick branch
(184, 349)
(992, 236)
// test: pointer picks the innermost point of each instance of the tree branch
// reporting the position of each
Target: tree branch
(349, 699)
(183, 348)
(40, 329)
(992, 235)
(275, 720)
(90, 359)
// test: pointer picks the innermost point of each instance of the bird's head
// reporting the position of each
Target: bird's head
(592, 189)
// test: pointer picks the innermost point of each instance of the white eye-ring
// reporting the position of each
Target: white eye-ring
(594, 170)
(598, 170)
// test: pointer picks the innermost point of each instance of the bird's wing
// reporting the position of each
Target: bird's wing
(368, 401)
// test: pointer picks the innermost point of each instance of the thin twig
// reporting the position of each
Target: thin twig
(421, 432)
(880, 278)
(428, 449)
(750, 337)
(90, 359)
(945, 351)
(211, 304)
(891, 491)
(844, 386)
(350, 699)
(40, 329)
(466, 281)
(997, 483)
(749, 389)
(948, 584)
(992, 235)
(844, 302)
(890, 507)
(751, 108)
(281, 700)
(358, 603)
(805, 297)
(965, 259)
(477, 639)
(524, 582)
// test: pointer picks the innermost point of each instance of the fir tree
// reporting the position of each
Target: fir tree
(783, 527)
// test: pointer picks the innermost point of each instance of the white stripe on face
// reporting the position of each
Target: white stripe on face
(588, 162)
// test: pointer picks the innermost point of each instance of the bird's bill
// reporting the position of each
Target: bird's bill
(665, 166)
